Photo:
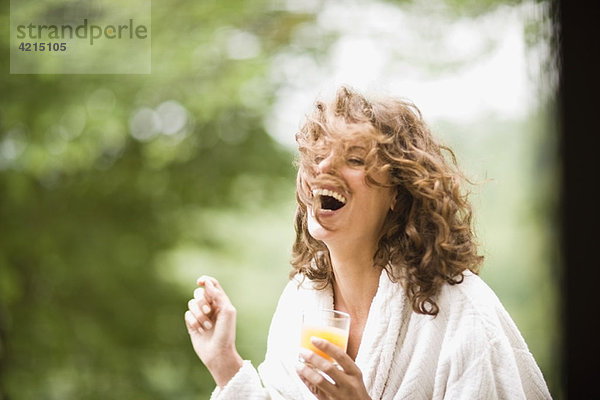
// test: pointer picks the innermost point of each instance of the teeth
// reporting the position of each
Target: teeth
(327, 192)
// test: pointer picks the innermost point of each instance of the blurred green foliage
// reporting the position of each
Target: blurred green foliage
(117, 191)
(516, 200)
(90, 215)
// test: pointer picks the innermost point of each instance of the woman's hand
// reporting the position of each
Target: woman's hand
(347, 381)
(210, 321)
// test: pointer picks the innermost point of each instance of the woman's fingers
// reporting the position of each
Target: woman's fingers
(337, 354)
(205, 278)
(214, 293)
(211, 306)
(321, 364)
(210, 321)
(198, 309)
(199, 294)
(332, 371)
(219, 301)
(192, 324)
(340, 380)
(315, 380)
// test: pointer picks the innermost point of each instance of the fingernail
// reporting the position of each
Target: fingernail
(304, 354)
(207, 324)
(316, 340)
(205, 309)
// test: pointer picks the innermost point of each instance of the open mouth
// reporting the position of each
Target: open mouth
(330, 200)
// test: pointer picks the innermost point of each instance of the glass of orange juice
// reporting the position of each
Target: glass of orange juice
(331, 325)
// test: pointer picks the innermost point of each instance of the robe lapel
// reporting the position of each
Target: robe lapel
(380, 337)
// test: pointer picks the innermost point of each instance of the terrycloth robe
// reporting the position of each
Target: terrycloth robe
(470, 350)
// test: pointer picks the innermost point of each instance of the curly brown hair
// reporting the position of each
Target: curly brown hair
(427, 239)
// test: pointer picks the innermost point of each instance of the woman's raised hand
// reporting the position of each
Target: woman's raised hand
(347, 380)
(210, 321)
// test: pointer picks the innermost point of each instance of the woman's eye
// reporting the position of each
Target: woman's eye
(356, 161)
(318, 159)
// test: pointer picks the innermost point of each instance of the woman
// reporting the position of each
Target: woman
(383, 233)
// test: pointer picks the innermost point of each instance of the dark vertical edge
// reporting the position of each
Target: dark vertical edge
(579, 93)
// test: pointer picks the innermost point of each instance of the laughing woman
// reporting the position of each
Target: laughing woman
(383, 233)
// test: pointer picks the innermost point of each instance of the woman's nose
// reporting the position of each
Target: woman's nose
(327, 164)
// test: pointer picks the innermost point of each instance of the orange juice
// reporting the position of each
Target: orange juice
(337, 336)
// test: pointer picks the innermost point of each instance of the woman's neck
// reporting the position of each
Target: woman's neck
(355, 279)
(355, 284)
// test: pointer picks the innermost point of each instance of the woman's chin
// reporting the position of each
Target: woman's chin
(316, 230)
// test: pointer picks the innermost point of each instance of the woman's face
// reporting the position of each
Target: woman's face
(355, 214)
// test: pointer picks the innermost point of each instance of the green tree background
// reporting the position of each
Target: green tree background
(118, 191)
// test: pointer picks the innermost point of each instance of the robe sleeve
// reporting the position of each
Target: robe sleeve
(499, 373)
(496, 364)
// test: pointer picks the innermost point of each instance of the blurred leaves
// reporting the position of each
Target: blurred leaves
(100, 175)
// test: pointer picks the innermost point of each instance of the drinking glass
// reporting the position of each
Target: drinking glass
(331, 325)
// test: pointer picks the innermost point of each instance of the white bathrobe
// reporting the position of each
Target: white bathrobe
(470, 350)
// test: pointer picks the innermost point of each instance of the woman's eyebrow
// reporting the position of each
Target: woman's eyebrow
(357, 148)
